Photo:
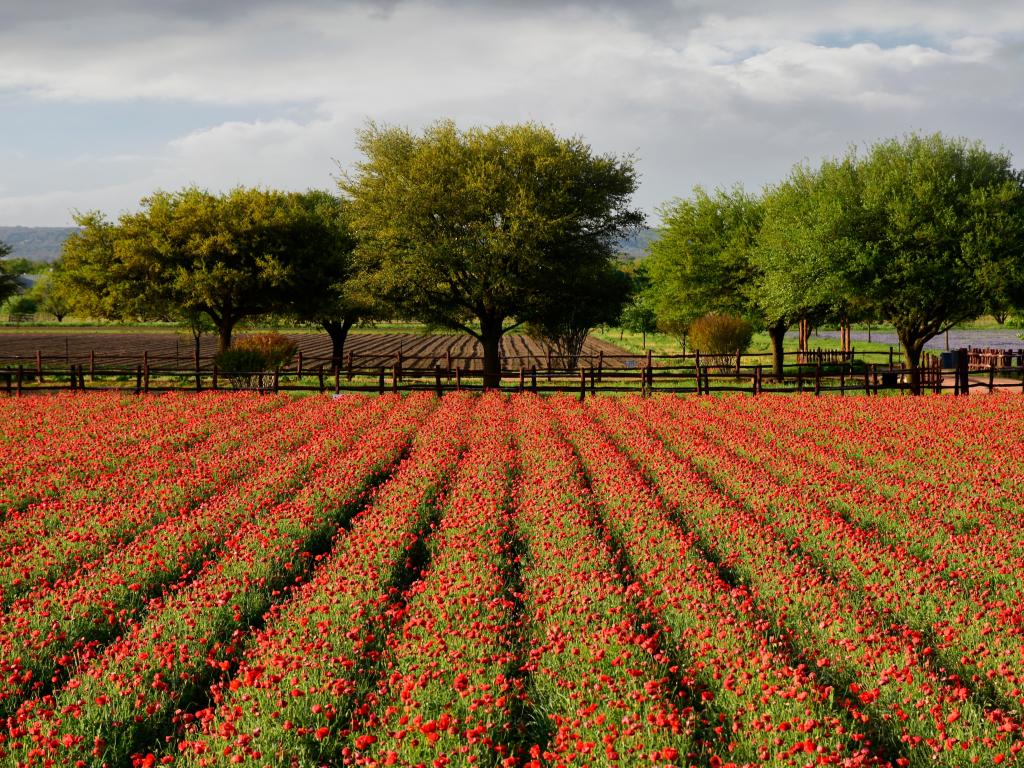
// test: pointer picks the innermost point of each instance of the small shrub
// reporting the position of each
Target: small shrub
(277, 351)
(719, 336)
(249, 362)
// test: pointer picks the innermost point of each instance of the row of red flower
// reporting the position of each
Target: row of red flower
(667, 581)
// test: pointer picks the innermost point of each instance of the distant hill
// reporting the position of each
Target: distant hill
(633, 248)
(36, 243)
(44, 243)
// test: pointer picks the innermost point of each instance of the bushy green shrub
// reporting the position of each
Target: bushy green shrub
(719, 336)
(249, 362)
(277, 351)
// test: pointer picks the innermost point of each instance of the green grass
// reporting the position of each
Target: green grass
(663, 344)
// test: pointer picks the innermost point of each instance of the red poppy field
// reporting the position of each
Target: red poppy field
(224, 578)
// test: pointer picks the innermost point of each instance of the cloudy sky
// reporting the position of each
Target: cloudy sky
(102, 102)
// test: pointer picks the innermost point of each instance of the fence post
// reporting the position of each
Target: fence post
(21, 376)
(396, 372)
(817, 378)
(991, 375)
(448, 362)
(842, 379)
(458, 378)
(298, 365)
(533, 377)
(549, 364)
(138, 379)
(380, 381)
(320, 376)
(593, 381)
(737, 363)
(522, 378)
(7, 381)
(214, 382)
(199, 380)
(583, 383)
(700, 379)
(348, 366)
(92, 365)
(81, 377)
(600, 365)
(890, 357)
(39, 366)
(437, 380)
(753, 383)
(867, 381)
(799, 378)
(145, 371)
(962, 372)
(74, 377)
(337, 379)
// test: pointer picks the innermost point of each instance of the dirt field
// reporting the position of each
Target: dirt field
(175, 351)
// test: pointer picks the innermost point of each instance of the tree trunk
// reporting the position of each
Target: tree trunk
(777, 333)
(338, 331)
(912, 347)
(224, 335)
(490, 339)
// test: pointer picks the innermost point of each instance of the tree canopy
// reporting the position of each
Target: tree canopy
(8, 277)
(704, 261)
(227, 256)
(477, 230)
(923, 231)
(942, 222)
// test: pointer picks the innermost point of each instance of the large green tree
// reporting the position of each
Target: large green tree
(322, 266)
(583, 300)
(808, 241)
(476, 230)
(193, 253)
(8, 277)
(704, 261)
(940, 218)
(223, 255)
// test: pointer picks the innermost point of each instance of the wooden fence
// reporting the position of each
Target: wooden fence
(816, 371)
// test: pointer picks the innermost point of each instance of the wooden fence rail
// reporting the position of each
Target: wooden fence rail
(695, 374)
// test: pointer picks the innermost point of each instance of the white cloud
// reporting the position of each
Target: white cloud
(712, 94)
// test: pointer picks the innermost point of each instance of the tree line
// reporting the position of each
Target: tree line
(487, 230)
(922, 232)
(479, 230)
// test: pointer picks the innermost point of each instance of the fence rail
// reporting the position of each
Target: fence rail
(816, 371)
